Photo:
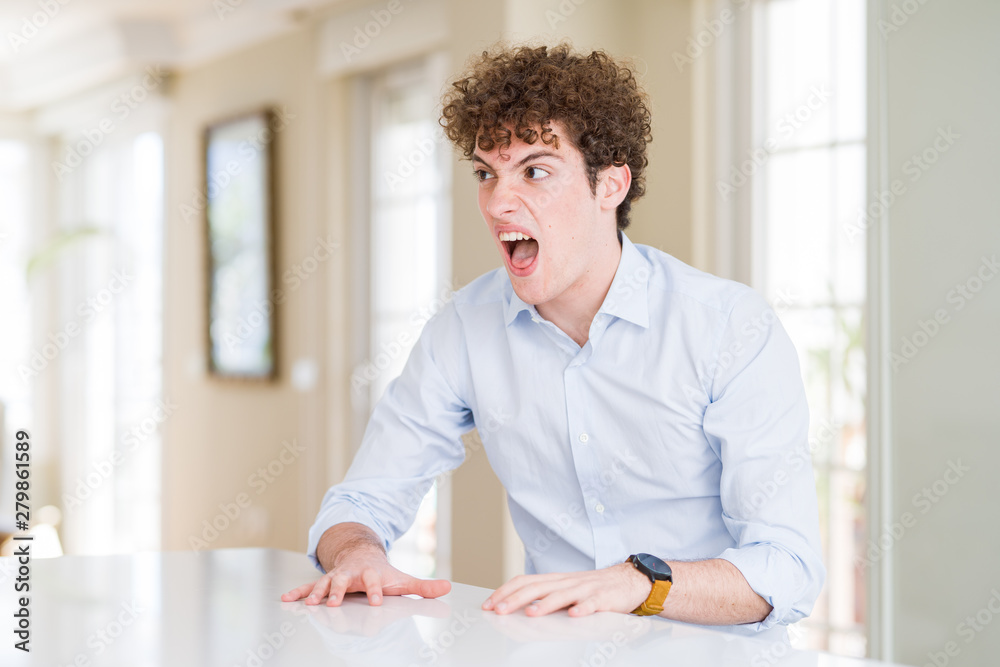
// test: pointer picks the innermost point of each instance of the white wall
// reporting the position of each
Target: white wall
(943, 71)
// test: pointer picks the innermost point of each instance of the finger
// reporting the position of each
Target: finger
(517, 583)
(319, 590)
(558, 600)
(425, 588)
(298, 593)
(431, 588)
(338, 587)
(583, 608)
(373, 585)
(527, 595)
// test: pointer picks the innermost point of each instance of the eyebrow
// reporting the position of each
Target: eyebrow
(527, 158)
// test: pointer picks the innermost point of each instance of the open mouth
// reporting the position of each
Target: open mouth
(521, 250)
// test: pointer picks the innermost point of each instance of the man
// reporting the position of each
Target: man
(648, 409)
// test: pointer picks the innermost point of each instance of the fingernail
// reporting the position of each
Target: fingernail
(376, 598)
(488, 604)
(501, 606)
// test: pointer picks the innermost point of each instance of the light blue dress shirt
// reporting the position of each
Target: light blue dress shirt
(679, 429)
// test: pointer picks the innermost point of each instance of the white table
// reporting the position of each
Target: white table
(222, 609)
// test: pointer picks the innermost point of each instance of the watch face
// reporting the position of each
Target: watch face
(655, 566)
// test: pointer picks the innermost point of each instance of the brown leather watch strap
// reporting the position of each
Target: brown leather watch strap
(653, 604)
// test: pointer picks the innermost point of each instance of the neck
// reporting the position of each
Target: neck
(574, 310)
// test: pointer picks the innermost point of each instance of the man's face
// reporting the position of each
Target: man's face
(542, 192)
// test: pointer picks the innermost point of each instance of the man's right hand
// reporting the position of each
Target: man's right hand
(355, 562)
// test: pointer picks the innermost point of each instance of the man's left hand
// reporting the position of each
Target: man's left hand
(619, 588)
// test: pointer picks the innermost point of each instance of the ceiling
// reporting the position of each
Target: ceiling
(49, 54)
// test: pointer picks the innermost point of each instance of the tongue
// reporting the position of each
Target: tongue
(524, 253)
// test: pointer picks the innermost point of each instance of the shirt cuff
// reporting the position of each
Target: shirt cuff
(342, 512)
(766, 569)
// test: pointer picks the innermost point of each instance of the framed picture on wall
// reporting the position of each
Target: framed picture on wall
(239, 213)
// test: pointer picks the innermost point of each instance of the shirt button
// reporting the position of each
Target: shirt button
(599, 508)
(584, 437)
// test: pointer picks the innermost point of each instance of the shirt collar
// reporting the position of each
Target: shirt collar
(514, 303)
(626, 299)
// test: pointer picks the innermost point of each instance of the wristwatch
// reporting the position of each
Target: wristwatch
(659, 573)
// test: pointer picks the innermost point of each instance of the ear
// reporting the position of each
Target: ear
(613, 184)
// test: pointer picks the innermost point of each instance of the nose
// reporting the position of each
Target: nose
(503, 200)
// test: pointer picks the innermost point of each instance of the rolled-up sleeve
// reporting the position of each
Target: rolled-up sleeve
(758, 423)
(413, 435)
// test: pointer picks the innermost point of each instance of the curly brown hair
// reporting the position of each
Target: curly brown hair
(596, 98)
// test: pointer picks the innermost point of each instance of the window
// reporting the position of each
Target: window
(110, 373)
(409, 256)
(808, 131)
(15, 334)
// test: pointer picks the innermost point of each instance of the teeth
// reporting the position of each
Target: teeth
(513, 236)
